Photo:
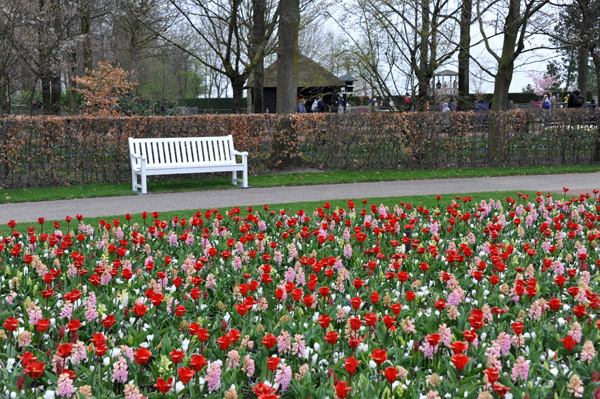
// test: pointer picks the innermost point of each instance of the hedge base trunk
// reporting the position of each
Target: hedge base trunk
(285, 152)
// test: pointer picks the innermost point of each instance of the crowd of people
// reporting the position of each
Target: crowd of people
(548, 101)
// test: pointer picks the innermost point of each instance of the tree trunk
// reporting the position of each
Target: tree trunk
(238, 92)
(4, 94)
(258, 34)
(422, 76)
(596, 59)
(56, 90)
(46, 94)
(582, 68)
(287, 57)
(463, 53)
(87, 38)
(502, 81)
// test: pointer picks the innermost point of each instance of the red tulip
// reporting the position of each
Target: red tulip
(26, 358)
(371, 319)
(34, 369)
(177, 356)
(433, 339)
(235, 335)
(162, 385)
(42, 325)
(410, 296)
(269, 341)
(198, 362)
(203, 335)
(109, 321)
(242, 309)
(500, 389)
(458, 346)
(64, 350)
(356, 302)
(470, 335)
(324, 321)
(272, 363)
(11, 324)
(379, 356)
(389, 321)
(179, 310)
(98, 339)
(355, 323)
(224, 342)
(568, 342)
(374, 297)
(100, 350)
(396, 308)
(185, 374)
(460, 360)
(555, 304)
(342, 389)
(492, 374)
(580, 311)
(331, 337)
(391, 373)
(351, 364)
(140, 309)
(142, 356)
(517, 327)
(440, 304)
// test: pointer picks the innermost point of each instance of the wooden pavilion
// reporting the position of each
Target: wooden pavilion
(314, 81)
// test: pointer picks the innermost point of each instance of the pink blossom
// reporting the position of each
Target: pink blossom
(520, 369)
(65, 386)
(213, 377)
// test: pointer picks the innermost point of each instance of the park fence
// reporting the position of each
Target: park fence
(47, 151)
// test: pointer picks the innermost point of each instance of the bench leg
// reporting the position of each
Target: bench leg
(234, 177)
(245, 178)
(134, 181)
(144, 188)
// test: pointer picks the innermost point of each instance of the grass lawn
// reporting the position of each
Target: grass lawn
(426, 201)
(276, 180)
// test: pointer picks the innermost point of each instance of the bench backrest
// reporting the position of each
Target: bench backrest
(188, 150)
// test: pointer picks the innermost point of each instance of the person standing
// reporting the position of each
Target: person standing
(301, 107)
(451, 104)
(576, 99)
(321, 107)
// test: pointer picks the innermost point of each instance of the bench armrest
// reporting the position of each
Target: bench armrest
(137, 158)
(243, 154)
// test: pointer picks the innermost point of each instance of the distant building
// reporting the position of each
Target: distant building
(314, 81)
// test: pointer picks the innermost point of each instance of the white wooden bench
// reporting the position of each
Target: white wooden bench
(167, 156)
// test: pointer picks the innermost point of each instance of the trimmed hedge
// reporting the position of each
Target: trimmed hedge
(47, 151)
(209, 103)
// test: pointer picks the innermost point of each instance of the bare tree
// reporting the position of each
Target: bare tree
(512, 21)
(406, 37)
(224, 28)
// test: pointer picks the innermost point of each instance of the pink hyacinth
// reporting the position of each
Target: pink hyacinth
(248, 366)
(520, 369)
(120, 372)
(283, 376)
(132, 392)
(213, 377)
(348, 251)
(65, 386)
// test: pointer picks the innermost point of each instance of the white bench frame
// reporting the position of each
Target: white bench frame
(167, 156)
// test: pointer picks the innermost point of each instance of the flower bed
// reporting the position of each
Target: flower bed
(495, 299)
